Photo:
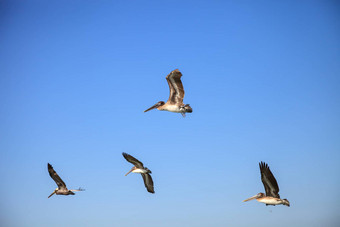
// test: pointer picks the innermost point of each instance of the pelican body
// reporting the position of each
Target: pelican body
(175, 101)
(139, 168)
(62, 189)
(271, 187)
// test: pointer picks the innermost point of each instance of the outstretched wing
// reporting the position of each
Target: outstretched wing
(133, 160)
(269, 181)
(55, 177)
(148, 182)
(176, 87)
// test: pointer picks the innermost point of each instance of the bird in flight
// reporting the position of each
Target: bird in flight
(271, 187)
(139, 168)
(62, 189)
(175, 101)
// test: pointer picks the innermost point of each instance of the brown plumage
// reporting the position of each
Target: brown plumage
(269, 182)
(271, 187)
(62, 189)
(176, 87)
(175, 102)
(55, 176)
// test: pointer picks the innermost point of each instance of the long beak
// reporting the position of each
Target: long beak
(129, 171)
(251, 198)
(152, 107)
(51, 194)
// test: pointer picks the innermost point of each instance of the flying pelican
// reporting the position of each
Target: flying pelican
(139, 168)
(272, 196)
(175, 101)
(62, 189)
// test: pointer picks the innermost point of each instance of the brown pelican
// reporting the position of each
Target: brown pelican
(175, 101)
(62, 189)
(139, 168)
(272, 196)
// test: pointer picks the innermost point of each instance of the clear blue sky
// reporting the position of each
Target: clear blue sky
(263, 79)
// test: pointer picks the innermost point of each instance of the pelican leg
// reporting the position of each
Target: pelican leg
(182, 109)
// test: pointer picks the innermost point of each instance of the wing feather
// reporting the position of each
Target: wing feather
(133, 160)
(55, 176)
(176, 87)
(148, 182)
(269, 181)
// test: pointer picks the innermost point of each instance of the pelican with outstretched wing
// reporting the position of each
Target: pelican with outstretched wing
(62, 189)
(271, 187)
(175, 101)
(139, 168)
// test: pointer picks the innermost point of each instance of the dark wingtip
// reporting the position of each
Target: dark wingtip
(174, 71)
(125, 155)
(263, 164)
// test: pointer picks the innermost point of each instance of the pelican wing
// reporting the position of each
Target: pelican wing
(148, 182)
(55, 177)
(176, 87)
(133, 160)
(269, 181)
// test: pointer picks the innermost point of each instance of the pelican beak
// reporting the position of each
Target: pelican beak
(51, 194)
(251, 198)
(130, 171)
(152, 107)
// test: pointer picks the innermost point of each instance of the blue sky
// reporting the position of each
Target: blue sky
(263, 81)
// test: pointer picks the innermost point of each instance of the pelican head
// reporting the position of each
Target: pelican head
(257, 196)
(286, 202)
(157, 105)
(132, 169)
